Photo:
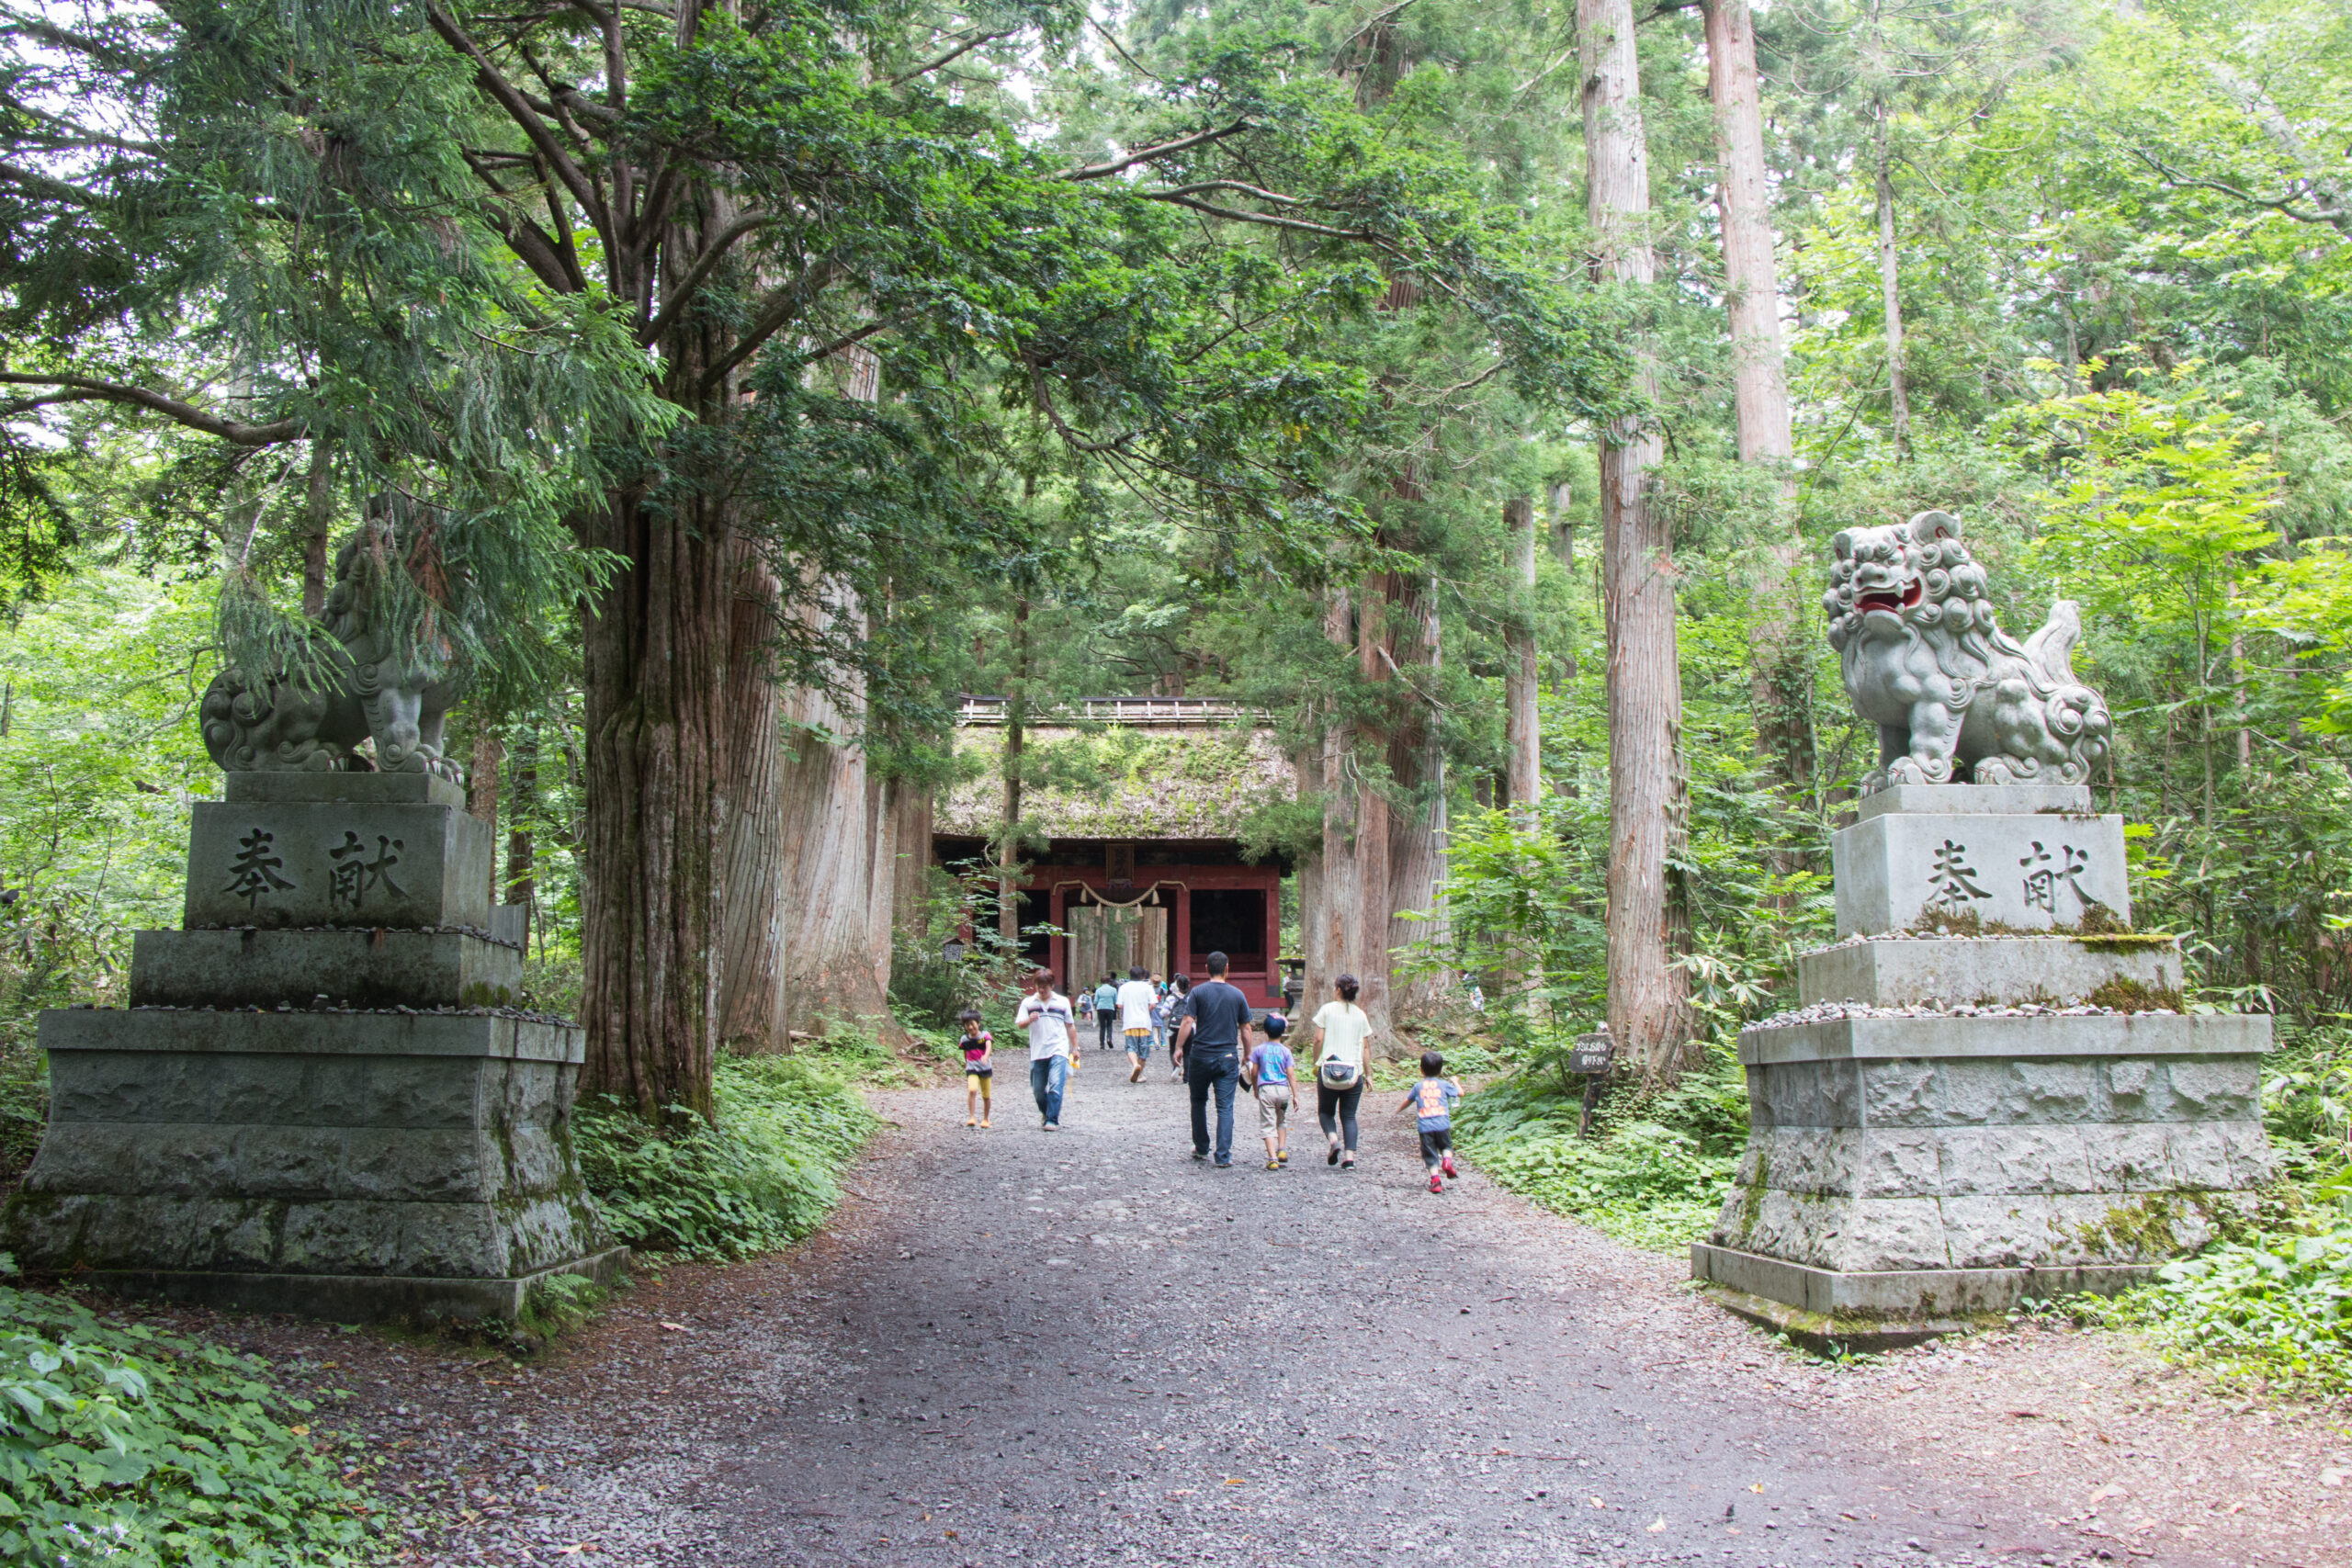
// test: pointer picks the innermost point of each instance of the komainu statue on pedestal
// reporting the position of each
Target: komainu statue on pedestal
(1955, 698)
(375, 690)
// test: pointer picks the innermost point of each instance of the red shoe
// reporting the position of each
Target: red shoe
(1446, 1165)
(1437, 1182)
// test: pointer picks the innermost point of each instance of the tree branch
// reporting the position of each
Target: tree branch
(230, 430)
(1271, 220)
(1054, 417)
(2333, 218)
(698, 273)
(510, 98)
(42, 185)
(961, 49)
(783, 305)
(1182, 143)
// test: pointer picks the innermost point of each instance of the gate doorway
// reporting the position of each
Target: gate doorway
(1105, 939)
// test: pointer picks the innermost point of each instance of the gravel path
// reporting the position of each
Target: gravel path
(1016, 1348)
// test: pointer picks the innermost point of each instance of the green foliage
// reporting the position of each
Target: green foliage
(122, 1444)
(1656, 1171)
(2277, 1308)
(759, 1178)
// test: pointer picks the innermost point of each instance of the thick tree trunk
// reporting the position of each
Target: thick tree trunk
(833, 943)
(656, 669)
(1416, 762)
(910, 886)
(753, 849)
(1777, 667)
(1353, 878)
(1522, 729)
(830, 974)
(1898, 391)
(1647, 995)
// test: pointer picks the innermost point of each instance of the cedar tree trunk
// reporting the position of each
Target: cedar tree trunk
(1647, 995)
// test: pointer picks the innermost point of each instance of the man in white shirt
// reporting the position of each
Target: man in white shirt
(1046, 1014)
(1136, 999)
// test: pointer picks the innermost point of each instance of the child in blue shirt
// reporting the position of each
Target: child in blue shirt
(1432, 1101)
(1268, 1075)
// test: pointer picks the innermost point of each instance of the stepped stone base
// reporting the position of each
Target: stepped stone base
(406, 1147)
(357, 1298)
(1950, 1124)
(321, 1100)
(1880, 1309)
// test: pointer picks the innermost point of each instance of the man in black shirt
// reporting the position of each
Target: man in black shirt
(1210, 1044)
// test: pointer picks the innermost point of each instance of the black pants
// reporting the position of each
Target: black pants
(1222, 1072)
(1336, 1109)
(1435, 1146)
(1107, 1019)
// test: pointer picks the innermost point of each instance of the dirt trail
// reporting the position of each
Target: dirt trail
(1082, 1348)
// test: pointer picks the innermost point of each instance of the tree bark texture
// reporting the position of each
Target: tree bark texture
(1353, 876)
(1522, 729)
(829, 974)
(1417, 830)
(522, 884)
(827, 890)
(1778, 669)
(911, 887)
(752, 852)
(1648, 1011)
(481, 793)
(318, 522)
(656, 672)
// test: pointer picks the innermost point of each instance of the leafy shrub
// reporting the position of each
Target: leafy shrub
(2277, 1308)
(760, 1179)
(122, 1444)
(1642, 1182)
(929, 991)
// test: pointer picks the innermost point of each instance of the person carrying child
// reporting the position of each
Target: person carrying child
(1270, 1080)
(1432, 1101)
(977, 1068)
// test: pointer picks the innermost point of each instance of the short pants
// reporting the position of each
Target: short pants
(1140, 1043)
(1436, 1144)
(977, 1083)
(1274, 1105)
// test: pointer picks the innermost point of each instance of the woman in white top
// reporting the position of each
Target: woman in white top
(1340, 1030)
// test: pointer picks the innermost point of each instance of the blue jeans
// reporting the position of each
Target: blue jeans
(1045, 1081)
(1221, 1070)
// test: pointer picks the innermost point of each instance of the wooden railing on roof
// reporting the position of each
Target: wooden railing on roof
(1138, 711)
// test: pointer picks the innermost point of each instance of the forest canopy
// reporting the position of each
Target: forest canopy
(724, 390)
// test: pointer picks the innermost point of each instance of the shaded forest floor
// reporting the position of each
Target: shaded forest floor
(1084, 1348)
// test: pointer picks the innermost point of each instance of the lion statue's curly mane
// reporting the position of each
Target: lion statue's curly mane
(1956, 699)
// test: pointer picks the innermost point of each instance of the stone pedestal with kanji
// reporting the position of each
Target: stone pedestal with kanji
(1990, 1089)
(324, 1096)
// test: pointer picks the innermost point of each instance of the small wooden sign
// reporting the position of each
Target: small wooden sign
(1591, 1055)
(1120, 866)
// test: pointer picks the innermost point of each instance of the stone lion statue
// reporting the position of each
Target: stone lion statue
(1955, 698)
(377, 693)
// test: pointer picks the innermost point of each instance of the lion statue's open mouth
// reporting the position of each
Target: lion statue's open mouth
(1955, 698)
